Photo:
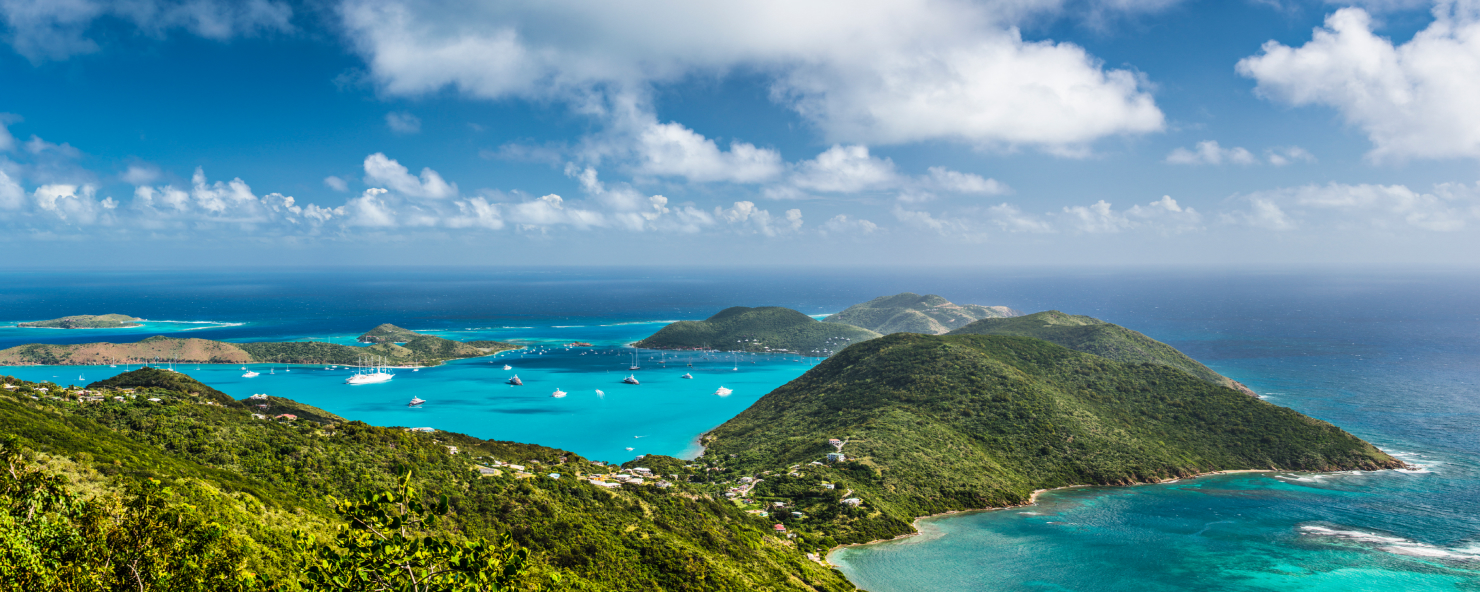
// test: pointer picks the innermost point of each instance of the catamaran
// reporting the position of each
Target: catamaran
(376, 374)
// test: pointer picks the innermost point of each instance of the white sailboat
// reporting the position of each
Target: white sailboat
(377, 373)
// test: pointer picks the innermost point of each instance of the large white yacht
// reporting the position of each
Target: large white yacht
(370, 375)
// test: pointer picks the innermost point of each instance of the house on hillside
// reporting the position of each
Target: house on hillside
(286, 417)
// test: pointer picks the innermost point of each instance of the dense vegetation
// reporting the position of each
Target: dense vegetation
(1091, 335)
(939, 423)
(908, 312)
(388, 333)
(422, 349)
(107, 321)
(763, 329)
(167, 380)
(259, 481)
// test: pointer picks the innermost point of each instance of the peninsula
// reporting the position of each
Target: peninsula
(420, 350)
(107, 321)
(388, 333)
(766, 329)
(909, 312)
(911, 425)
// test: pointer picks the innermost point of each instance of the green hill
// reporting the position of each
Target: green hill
(762, 329)
(274, 406)
(912, 313)
(388, 333)
(939, 423)
(1091, 335)
(107, 321)
(155, 378)
(261, 480)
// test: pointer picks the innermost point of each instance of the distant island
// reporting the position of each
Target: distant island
(107, 321)
(762, 329)
(909, 312)
(911, 425)
(388, 333)
(419, 350)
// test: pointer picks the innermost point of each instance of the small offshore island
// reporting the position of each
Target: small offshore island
(107, 321)
(885, 430)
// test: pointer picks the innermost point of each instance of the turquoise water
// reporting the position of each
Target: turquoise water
(1391, 357)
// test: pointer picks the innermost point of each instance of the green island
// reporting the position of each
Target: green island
(270, 504)
(1091, 335)
(909, 312)
(420, 350)
(761, 329)
(107, 321)
(388, 333)
(930, 424)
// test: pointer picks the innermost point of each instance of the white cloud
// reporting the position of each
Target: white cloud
(402, 122)
(38, 146)
(842, 224)
(44, 30)
(926, 221)
(845, 169)
(336, 183)
(550, 210)
(670, 149)
(7, 141)
(1449, 207)
(477, 212)
(1288, 154)
(948, 180)
(746, 215)
(870, 72)
(370, 210)
(71, 203)
(1012, 219)
(382, 170)
(1414, 100)
(1209, 152)
(140, 174)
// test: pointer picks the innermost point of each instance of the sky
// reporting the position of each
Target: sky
(821, 132)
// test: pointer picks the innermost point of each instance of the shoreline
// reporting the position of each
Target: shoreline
(1032, 500)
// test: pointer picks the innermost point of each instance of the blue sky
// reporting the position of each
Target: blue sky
(1101, 132)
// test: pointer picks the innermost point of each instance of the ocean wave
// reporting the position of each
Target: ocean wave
(1421, 465)
(1394, 544)
(568, 326)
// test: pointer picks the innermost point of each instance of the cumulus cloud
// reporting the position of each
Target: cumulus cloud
(402, 122)
(12, 196)
(44, 30)
(71, 203)
(382, 170)
(1287, 155)
(852, 169)
(7, 141)
(670, 149)
(745, 215)
(140, 174)
(948, 180)
(1449, 207)
(1164, 215)
(1414, 100)
(872, 72)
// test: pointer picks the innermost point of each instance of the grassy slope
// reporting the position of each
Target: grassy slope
(388, 333)
(940, 423)
(908, 312)
(773, 326)
(264, 478)
(165, 380)
(1091, 335)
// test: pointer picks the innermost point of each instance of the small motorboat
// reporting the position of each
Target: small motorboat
(687, 375)
(723, 392)
(250, 374)
(558, 394)
(629, 448)
(631, 379)
(515, 381)
(508, 367)
(416, 401)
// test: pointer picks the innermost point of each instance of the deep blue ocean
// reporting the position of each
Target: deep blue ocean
(1393, 357)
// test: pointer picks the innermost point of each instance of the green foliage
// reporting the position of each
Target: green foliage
(107, 321)
(767, 328)
(166, 380)
(424, 349)
(50, 539)
(1091, 335)
(940, 423)
(387, 543)
(261, 480)
(278, 405)
(908, 312)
